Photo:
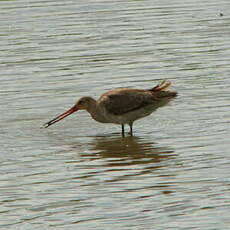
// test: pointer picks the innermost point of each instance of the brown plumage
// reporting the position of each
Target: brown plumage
(122, 106)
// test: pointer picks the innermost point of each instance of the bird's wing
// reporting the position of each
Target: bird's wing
(123, 101)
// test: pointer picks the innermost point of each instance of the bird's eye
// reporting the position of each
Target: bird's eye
(80, 102)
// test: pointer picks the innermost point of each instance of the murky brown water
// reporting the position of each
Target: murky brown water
(79, 174)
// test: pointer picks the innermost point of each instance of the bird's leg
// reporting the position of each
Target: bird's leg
(131, 128)
(123, 130)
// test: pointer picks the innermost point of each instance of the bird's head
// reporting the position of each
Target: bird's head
(83, 103)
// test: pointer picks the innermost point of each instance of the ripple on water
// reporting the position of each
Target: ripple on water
(80, 174)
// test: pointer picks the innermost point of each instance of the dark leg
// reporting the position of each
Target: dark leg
(131, 128)
(123, 130)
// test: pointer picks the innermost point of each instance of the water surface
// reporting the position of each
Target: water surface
(79, 174)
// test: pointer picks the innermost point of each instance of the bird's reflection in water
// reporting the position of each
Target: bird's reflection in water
(118, 161)
(127, 151)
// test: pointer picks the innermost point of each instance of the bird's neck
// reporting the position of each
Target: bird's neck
(95, 111)
(92, 106)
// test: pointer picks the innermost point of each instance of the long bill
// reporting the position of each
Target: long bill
(60, 117)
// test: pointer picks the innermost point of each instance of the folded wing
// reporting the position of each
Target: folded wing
(122, 101)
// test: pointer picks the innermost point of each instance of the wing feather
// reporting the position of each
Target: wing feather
(122, 101)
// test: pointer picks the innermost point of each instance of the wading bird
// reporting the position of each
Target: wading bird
(122, 106)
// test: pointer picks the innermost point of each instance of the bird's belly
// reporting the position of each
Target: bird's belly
(131, 116)
(104, 116)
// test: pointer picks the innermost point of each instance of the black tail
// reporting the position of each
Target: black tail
(161, 90)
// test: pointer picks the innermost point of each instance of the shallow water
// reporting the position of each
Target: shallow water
(79, 174)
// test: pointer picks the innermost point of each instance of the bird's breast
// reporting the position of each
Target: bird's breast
(99, 114)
